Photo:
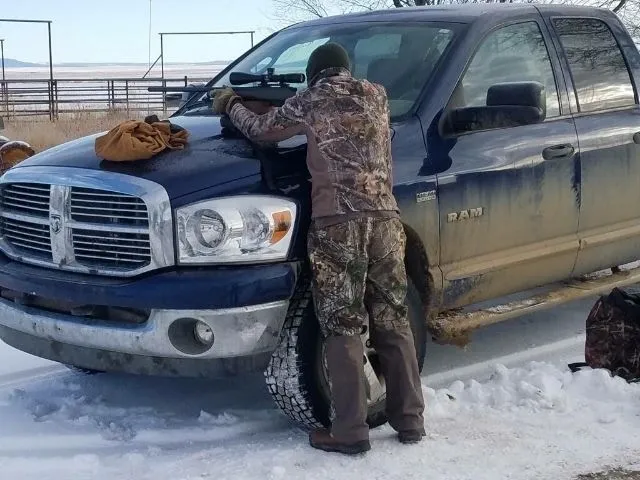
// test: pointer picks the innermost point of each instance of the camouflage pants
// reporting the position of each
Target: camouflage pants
(359, 279)
(359, 275)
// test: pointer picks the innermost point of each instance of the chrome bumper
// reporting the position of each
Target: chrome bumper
(238, 332)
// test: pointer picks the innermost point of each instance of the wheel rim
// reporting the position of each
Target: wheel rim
(375, 385)
(374, 380)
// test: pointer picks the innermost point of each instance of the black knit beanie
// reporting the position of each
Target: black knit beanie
(329, 55)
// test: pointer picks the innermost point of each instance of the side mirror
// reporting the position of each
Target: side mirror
(508, 105)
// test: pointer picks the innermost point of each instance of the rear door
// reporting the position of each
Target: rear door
(598, 56)
(508, 201)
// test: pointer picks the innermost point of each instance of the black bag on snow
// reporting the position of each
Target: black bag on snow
(613, 335)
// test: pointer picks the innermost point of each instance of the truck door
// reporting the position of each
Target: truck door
(607, 117)
(508, 202)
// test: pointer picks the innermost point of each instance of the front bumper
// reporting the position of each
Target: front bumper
(243, 340)
(244, 307)
(237, 332)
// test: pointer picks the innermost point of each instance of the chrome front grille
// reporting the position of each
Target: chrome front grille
(27, 199)
(27, 238)
(99, 206)
(111, 249)
(97, 222)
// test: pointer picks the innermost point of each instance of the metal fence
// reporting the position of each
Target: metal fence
(29, 97)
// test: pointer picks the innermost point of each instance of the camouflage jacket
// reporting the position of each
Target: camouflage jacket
(346, 122)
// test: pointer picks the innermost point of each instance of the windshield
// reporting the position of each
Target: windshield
(399, 56)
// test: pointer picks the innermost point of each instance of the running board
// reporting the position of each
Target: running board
(455, 326)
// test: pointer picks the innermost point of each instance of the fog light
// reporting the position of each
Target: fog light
(203, 333)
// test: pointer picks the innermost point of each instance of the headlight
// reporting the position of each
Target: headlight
(235, 230)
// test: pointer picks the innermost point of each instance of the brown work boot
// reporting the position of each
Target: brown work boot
(323, 440)
(409, 437)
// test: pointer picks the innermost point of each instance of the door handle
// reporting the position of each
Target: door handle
(558, 151)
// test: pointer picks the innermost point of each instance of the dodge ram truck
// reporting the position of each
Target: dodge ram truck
(516, 149)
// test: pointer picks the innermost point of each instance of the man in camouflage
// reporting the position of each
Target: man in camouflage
(356, 241)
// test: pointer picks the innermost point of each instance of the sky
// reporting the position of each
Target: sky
(118, 30)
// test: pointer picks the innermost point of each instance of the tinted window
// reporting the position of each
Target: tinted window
(384, 45)
(401, 57)
(294, 58)
(516, 53)
(599, 72)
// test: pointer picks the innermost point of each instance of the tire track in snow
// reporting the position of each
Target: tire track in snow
(11, 380)
(189, 436)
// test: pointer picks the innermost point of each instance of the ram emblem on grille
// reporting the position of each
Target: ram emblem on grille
(56, 223)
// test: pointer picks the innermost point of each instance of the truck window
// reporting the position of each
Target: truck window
(516, 53)
(598, 68)
(294, 59)
(367, 50)
(400, 56)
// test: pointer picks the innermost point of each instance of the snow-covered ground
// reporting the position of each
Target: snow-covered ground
(506, 408)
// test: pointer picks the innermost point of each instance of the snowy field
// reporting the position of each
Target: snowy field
(507, 408)
(202, 71)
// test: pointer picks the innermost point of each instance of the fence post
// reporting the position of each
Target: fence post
(5, 96)
(52, 108)
(56, 99)
(126, 93)
(186, 81)
(164, 97)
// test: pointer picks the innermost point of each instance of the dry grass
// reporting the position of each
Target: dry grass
(41, 133)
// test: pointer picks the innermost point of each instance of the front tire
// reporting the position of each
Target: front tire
(296, 375)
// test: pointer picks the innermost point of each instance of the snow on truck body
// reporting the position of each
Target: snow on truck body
(193, 263)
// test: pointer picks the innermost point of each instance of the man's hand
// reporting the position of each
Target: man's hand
(221, 100)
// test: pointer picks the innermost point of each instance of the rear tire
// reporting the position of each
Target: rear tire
(296, 377)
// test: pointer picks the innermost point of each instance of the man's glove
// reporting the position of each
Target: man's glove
(221, 100)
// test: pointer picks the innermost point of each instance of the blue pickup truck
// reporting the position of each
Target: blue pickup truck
(516, 146)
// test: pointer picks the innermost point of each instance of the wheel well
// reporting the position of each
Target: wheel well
(417, 266)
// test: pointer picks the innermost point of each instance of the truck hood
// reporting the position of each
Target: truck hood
(208, 160)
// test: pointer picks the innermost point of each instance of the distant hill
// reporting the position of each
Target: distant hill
(12, 63)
